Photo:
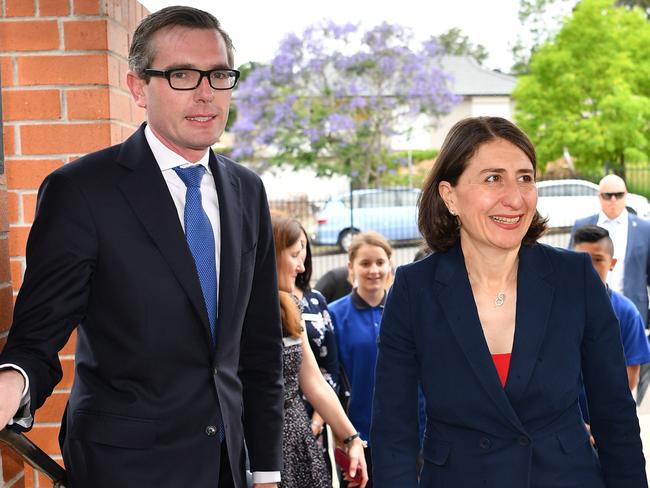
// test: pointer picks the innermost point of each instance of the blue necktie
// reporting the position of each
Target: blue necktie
(200, 238)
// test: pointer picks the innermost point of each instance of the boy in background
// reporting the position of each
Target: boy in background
(596, 242)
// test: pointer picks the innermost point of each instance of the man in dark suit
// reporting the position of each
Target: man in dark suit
(631, 237)
(160, 253)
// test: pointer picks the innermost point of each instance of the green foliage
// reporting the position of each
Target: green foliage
(589, 89)
(643, 4)
(542, 18)
(637, 178)
(455, 42)
(417, 155)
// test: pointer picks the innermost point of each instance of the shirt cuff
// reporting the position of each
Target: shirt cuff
(266, 476)
(23, 416)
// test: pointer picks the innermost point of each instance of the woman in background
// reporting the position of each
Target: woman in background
(304, 465)
(320, 333)
(356, 319)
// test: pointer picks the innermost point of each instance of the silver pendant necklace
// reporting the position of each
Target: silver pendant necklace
(500, 299)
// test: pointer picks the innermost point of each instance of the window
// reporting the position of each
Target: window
(408, 198)
(569, 190)
(377, 199)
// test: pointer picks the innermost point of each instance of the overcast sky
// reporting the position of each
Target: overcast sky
(257, 26)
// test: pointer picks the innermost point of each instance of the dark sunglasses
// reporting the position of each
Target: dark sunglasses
(608, 195)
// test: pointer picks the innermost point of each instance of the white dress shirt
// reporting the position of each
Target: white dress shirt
(617, 229)
(168, 160)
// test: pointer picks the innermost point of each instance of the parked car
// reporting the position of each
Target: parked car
(390, 211)
(565, 201)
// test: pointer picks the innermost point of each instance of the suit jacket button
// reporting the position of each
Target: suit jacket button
(210, 430)
(484, 443)
(215, 371)
(523, 441)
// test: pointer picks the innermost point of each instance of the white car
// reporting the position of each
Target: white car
(565, 201)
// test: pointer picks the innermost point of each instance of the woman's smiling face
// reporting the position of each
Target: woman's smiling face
(495, 198)
(370, 268)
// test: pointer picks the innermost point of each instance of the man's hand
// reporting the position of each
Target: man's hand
(265, 485)
(12, 385)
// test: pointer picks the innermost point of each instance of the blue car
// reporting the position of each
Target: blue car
(390, 211)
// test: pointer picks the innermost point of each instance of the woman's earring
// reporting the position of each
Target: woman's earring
(455, 216)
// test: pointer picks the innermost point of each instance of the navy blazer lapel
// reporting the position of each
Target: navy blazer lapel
(230, 215)
(632, 229)
(146, 191)
(534, 301)
(459, 307)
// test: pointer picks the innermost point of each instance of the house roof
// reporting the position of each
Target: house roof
(470, 78)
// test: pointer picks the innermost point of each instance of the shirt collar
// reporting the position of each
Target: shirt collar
(168, 159)
(361, 304)
(621, 219)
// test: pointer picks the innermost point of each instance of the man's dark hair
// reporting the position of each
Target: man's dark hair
(142, 52)
(439, 228)
(592, 234)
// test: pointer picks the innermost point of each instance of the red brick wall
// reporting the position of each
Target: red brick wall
(63, 65)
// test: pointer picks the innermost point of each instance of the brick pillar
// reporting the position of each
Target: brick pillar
(63, 65)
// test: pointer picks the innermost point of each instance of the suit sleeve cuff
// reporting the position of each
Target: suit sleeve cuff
(23, 416)
(266, 476)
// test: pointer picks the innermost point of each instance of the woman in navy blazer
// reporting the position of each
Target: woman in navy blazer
(501, 332)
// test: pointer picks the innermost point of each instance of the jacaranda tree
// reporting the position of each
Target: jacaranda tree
(334, 97)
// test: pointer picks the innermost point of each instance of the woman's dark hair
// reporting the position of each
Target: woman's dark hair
(142, 53)
(304, 278)
(439, 228)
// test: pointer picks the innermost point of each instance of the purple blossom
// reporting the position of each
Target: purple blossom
(242, 152)
(312, 134)
(357, 103)
(243, 124)
(340, 122)
(321, 94)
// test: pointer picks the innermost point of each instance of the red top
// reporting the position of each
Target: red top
(502, 363)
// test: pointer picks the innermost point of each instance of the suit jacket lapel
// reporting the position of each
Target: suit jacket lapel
(146, 191)
(459, 307)
(230, 214)
(534, 300)
(631, 236)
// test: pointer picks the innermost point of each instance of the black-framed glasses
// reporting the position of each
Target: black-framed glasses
(607, 195)
(189, 78)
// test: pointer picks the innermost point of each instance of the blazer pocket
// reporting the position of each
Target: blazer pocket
(113, 430)
(572, 438)
(436, 451)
